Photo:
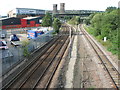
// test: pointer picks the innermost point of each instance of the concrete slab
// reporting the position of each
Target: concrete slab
(70, 71)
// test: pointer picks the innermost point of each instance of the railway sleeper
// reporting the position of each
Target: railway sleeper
(114, 74)
(116, 79)
(109, 66)
(111, 69)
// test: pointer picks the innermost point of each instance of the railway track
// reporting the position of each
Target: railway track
(37, 75)
(46, 80)
(44, 66)
(113, 73)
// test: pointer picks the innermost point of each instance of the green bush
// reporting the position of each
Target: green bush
(26, 52)
(56, 25)
(106, 24)
(25, 48)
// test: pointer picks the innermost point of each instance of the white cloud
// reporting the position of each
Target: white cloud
(8, 5)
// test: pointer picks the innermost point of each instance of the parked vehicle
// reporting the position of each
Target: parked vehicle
(3, 45)
(15, 40)
(3, 36)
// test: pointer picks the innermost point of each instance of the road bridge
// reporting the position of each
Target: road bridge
(74, 14)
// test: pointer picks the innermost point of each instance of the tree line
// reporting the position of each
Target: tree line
(103, 24)
(106, 24)
(54, 22)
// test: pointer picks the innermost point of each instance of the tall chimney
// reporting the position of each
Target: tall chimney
(62, 8)
(119, 4)
(55, 9)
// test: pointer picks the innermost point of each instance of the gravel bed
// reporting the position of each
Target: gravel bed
(97, 74)
(62, 75)
(88, 71)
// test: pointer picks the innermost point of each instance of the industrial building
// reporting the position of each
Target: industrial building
(15, 22)
(25, 12)
(22, 17)
(27, 17)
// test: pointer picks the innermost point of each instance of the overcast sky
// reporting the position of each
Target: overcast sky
(7, 5)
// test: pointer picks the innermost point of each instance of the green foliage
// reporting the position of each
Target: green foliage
(26, 52)
(25, 48)
(47, 20)
(119, 33)
(25, 43)
(75, 20)
(67, 18)
(87, 20)
(56, 25)
(91, 88)
(53, 33)
(110, 9)
(89, 29)
(96, 23)
(78, 20)
(107, 25)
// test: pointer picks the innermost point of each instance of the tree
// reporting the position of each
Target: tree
(78, 21)
(106, 24)
(56, 25)
(47, 20)
(109, 24)
(96, 23)
(67, 18)
(75, 20)
(25, 48)
(87, 21)
(109, 9)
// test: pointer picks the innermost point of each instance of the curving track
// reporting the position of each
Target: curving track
(113, 73)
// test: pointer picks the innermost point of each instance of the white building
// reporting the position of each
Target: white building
(24, 12)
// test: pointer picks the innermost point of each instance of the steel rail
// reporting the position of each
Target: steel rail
(56, 50)
(9, 84)
(26, 67)
(56, 65)
(89, 39)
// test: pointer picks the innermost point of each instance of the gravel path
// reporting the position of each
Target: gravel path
(70, 71)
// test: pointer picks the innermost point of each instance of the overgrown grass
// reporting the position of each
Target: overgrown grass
(108, 45)
(89, 29)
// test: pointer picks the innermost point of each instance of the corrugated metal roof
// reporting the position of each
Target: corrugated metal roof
(30, 18)
(4, 18)
(30, 8)
(9, 18)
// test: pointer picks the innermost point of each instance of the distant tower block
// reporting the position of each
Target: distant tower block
(55, 9)
(62, 8)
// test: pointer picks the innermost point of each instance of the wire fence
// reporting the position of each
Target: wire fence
(17, 54)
